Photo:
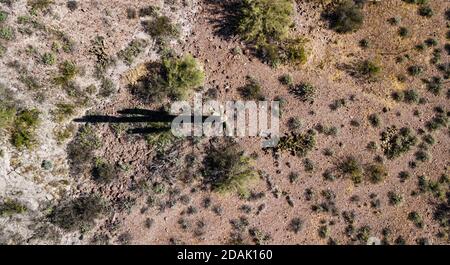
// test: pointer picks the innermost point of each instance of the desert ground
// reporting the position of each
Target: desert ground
(365, 147)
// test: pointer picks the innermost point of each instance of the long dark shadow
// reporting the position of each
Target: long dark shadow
(139, 116)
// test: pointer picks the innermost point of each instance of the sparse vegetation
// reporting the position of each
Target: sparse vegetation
(396, 142)
(175, 78)
(77, 214)
(252, 90)
(305, 92)
(346, 17)
(265, 24)
(9, 207)
(298, 144)
(227, 169)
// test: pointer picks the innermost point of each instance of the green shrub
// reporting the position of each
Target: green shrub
(67, 72)
(48, 58)
(439, 120)
(179, 76)
(415, 70)
(25, 124)
(37, 5)
(403, 32)
(63, 111)
(7, 115)
(416, 219)
(294, 123)
(265, 21)
(3, 16)
(394, 198)
(227, 169)
(305, 92)
(298, 144)
(286, 80)
(103, 172)
(368, 69)
(397, 142)
(72, 5)
(107, 87)
(364, 43)
(426, 11)
(374, 120)
(252, 90)
(435, 85)
(376, 172)
(346, 17)
(296, 225)
(9, 207)
(6, 33)
(81, 150)
(266, 24)
(351, 167)
(2, 50)
(77, 214)
(161, 28)
(410, 96)
(133, 49)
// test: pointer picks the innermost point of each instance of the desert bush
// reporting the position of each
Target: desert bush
(286, 80)
(107, 87)
(67, 72)
(7, 115)
(48, 58)
(415, 70)
(298, 144)
(3, 16)
(9, 207)
(265, 24)
(374, 120)
(265, 21)
(324, 231)
(351, 167)
(39, 5)
(364, 43)
(63, 111)
(346, 17)
(403, 32)
(132, 50)
(305, 92)
(416, 219)
(422, 156)
(252, 90)
(294, 123)
(149, 11)
(6, 33)
(226, 169)
(103, 172)
(2, 50)
(368, 69)
(161, 28)
(363, 234)
(397, 142)
(77, 214)
(176, 78)
(394, 198)
(439, 120)
(426, 11)
(295, 225)
(376, 172)
(25, 124)
(411, 96)
(72, 5)
(435, 85)
(81, 150)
